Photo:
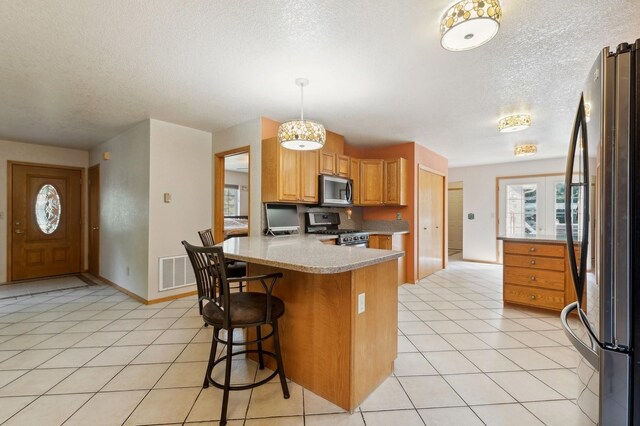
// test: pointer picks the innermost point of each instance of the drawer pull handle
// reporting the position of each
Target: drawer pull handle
(533, 297)
(533, 262)
(532, 277)
(532, 249)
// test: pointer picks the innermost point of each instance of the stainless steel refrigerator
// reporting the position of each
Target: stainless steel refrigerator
(604, 249)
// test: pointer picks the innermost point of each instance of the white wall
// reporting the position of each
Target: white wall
(181, 163)
(479, 197)
(246, 134)
(242, 180)
(32, 153)
(124, 208)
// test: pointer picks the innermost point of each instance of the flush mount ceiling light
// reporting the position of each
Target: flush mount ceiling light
(514, 123)
(301, 135)
(469, 24)
(525, 149)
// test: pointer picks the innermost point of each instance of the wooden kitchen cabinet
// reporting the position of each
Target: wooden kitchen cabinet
(392, 242)
(371, 182)
(354, 175)
(288, 175)
(342, 165)
(395, 182)
(327, 163)
(537, 274)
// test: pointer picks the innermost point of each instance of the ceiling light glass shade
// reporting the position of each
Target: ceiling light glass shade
(525, 149)
(514, 123)
(469, 24)
(302, 135)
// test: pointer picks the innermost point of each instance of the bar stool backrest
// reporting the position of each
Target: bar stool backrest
(211, 277)
(206, 237)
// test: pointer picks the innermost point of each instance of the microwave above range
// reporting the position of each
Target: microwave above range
(335, 191)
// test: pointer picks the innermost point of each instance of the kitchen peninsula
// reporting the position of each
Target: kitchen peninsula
(339, 330)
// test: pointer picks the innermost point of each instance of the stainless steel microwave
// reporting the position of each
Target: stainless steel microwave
(335, 191)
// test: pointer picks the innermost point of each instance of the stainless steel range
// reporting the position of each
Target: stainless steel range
(328, 223)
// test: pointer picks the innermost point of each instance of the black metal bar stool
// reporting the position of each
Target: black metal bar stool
(228, 311)
(235, 268)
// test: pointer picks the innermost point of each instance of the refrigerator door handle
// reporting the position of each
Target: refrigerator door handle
(578, 273)
(589, 353)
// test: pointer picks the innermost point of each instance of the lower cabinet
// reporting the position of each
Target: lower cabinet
(392, 242)
(537, 274)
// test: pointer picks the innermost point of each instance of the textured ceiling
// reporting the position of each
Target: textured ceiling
(77, 72)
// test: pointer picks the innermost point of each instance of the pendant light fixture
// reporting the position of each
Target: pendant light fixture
(469, 24)
(302, 135)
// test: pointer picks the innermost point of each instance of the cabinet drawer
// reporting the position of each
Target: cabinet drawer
(534, 296)
(534, 277)
(534, 262)
(550, 250)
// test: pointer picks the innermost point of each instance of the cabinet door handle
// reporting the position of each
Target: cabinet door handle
(533, 297)
(532, 249)
(532, 277)
(19, 231)
(533, 262)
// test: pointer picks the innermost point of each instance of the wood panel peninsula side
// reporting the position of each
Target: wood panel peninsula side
(328, 347)
(536, 272)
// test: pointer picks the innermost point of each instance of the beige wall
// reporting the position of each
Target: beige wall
(455, 215)
(180, 164)
(32, 153)
(245, 134)
(124, 208)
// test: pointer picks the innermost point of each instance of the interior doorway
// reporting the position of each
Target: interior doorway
(232, 194)
(455, 220)
(45, 221)
(94, 220)
(431, 192)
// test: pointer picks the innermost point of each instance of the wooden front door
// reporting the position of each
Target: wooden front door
(430, 223)
(45, 221)
(94, 220)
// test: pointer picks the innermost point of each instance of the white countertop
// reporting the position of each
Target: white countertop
(304, 253)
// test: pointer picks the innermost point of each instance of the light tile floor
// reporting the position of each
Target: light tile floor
(94, 356)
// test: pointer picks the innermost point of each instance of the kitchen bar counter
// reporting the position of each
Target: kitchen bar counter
(304, 253)
(339, 331)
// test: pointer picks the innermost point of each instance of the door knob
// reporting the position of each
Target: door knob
(424, 229)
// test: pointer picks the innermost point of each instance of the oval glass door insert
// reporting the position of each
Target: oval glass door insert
(48, 209)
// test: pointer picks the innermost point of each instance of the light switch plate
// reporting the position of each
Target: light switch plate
(361, 303)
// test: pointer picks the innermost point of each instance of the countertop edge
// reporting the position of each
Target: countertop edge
(389, 255)
(536, 240)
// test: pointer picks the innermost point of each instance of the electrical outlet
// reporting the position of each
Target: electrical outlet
(361, 303)
(398, 216)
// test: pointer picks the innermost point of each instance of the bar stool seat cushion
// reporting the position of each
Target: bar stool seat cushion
(246, 309)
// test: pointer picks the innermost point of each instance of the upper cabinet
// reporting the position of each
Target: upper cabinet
(395, 182)
(288, 175)
(354, 174)
(327, 163)
(342, 165)
(383, 182)
(371, 182)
